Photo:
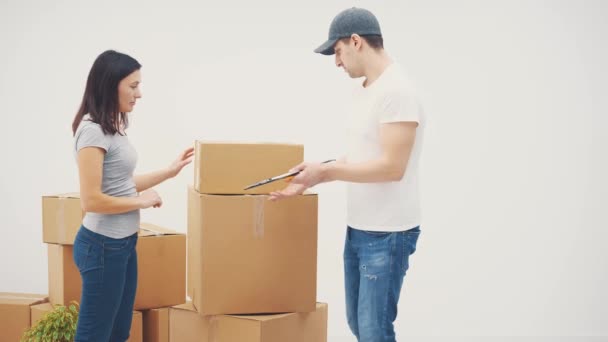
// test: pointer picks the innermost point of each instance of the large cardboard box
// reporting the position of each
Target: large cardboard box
(227, 168)
(15, 314)
(65, 284)
(61, 218)
(186, 325)
(161, 259)
(250, 255)
(38, 312)
(156, 325)
(161, 262)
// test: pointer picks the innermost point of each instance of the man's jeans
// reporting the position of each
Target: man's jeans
(375, 264)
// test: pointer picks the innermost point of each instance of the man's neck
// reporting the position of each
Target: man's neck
(376, 64)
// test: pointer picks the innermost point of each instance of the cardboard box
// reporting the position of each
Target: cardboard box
(186, 325)
(161, 262)
(136, 333)
(65, 284)
(15, 314)
(227, 168)
(250, 255)
(156, 325)
(38, 312)
(61, 218)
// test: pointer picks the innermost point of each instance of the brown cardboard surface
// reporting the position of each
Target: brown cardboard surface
(161, 262)
(156, 325)
(186, 325)
(136, 333)
(250, 255)
(297, 327)
(61, 217)
(227, 168)
(15, 314)
(65, 284)
(38, 311)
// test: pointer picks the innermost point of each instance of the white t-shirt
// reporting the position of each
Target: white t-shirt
(388, 206)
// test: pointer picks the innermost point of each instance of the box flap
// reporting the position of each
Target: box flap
(186, 306)
(261, 317)
(22, 298)
(268, 317)
(220, 142)
(65, 195)
(43, 307)
(148, 229)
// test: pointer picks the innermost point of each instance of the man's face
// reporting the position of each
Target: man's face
(346, 54)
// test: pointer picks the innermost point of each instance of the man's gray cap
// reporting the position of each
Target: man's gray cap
(346, 23)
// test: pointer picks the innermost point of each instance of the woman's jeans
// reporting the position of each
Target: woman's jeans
(108, 268)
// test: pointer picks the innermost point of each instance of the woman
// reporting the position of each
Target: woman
(104, 249)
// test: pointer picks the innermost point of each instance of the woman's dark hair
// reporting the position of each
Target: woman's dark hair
(100, 99)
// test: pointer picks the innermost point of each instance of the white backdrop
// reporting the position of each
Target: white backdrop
(513, 167)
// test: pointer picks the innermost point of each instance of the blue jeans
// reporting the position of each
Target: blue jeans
(375, 264)
(108, 268)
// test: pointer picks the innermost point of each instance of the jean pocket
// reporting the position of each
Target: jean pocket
(81, 252)
(379, 234)
(115, 244)
(410, 240)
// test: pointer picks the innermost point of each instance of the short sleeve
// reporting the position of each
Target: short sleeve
(399, 106)
(91, 135)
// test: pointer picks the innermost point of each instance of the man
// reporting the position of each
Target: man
(381, 168)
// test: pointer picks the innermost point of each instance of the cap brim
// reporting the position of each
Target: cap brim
(327, 48)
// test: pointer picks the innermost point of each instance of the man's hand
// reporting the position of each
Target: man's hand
(290, 191)
(310, 175)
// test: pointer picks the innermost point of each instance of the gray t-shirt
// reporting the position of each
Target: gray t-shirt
(117, 180)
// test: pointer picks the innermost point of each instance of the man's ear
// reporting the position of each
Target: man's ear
(356, 40)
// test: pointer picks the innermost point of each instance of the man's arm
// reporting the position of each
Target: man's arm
(397, 140)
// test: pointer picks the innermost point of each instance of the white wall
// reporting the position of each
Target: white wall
(514, 188)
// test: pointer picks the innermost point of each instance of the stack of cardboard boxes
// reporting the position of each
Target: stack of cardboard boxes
(252, 263)
(249, 258)
(15, 314)
(161, 255)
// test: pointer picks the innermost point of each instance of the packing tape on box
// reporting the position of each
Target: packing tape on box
(212, 331)
(258, 216)
(197, 167)
(60, 218)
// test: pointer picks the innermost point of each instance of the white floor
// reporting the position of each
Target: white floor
(485, 339)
